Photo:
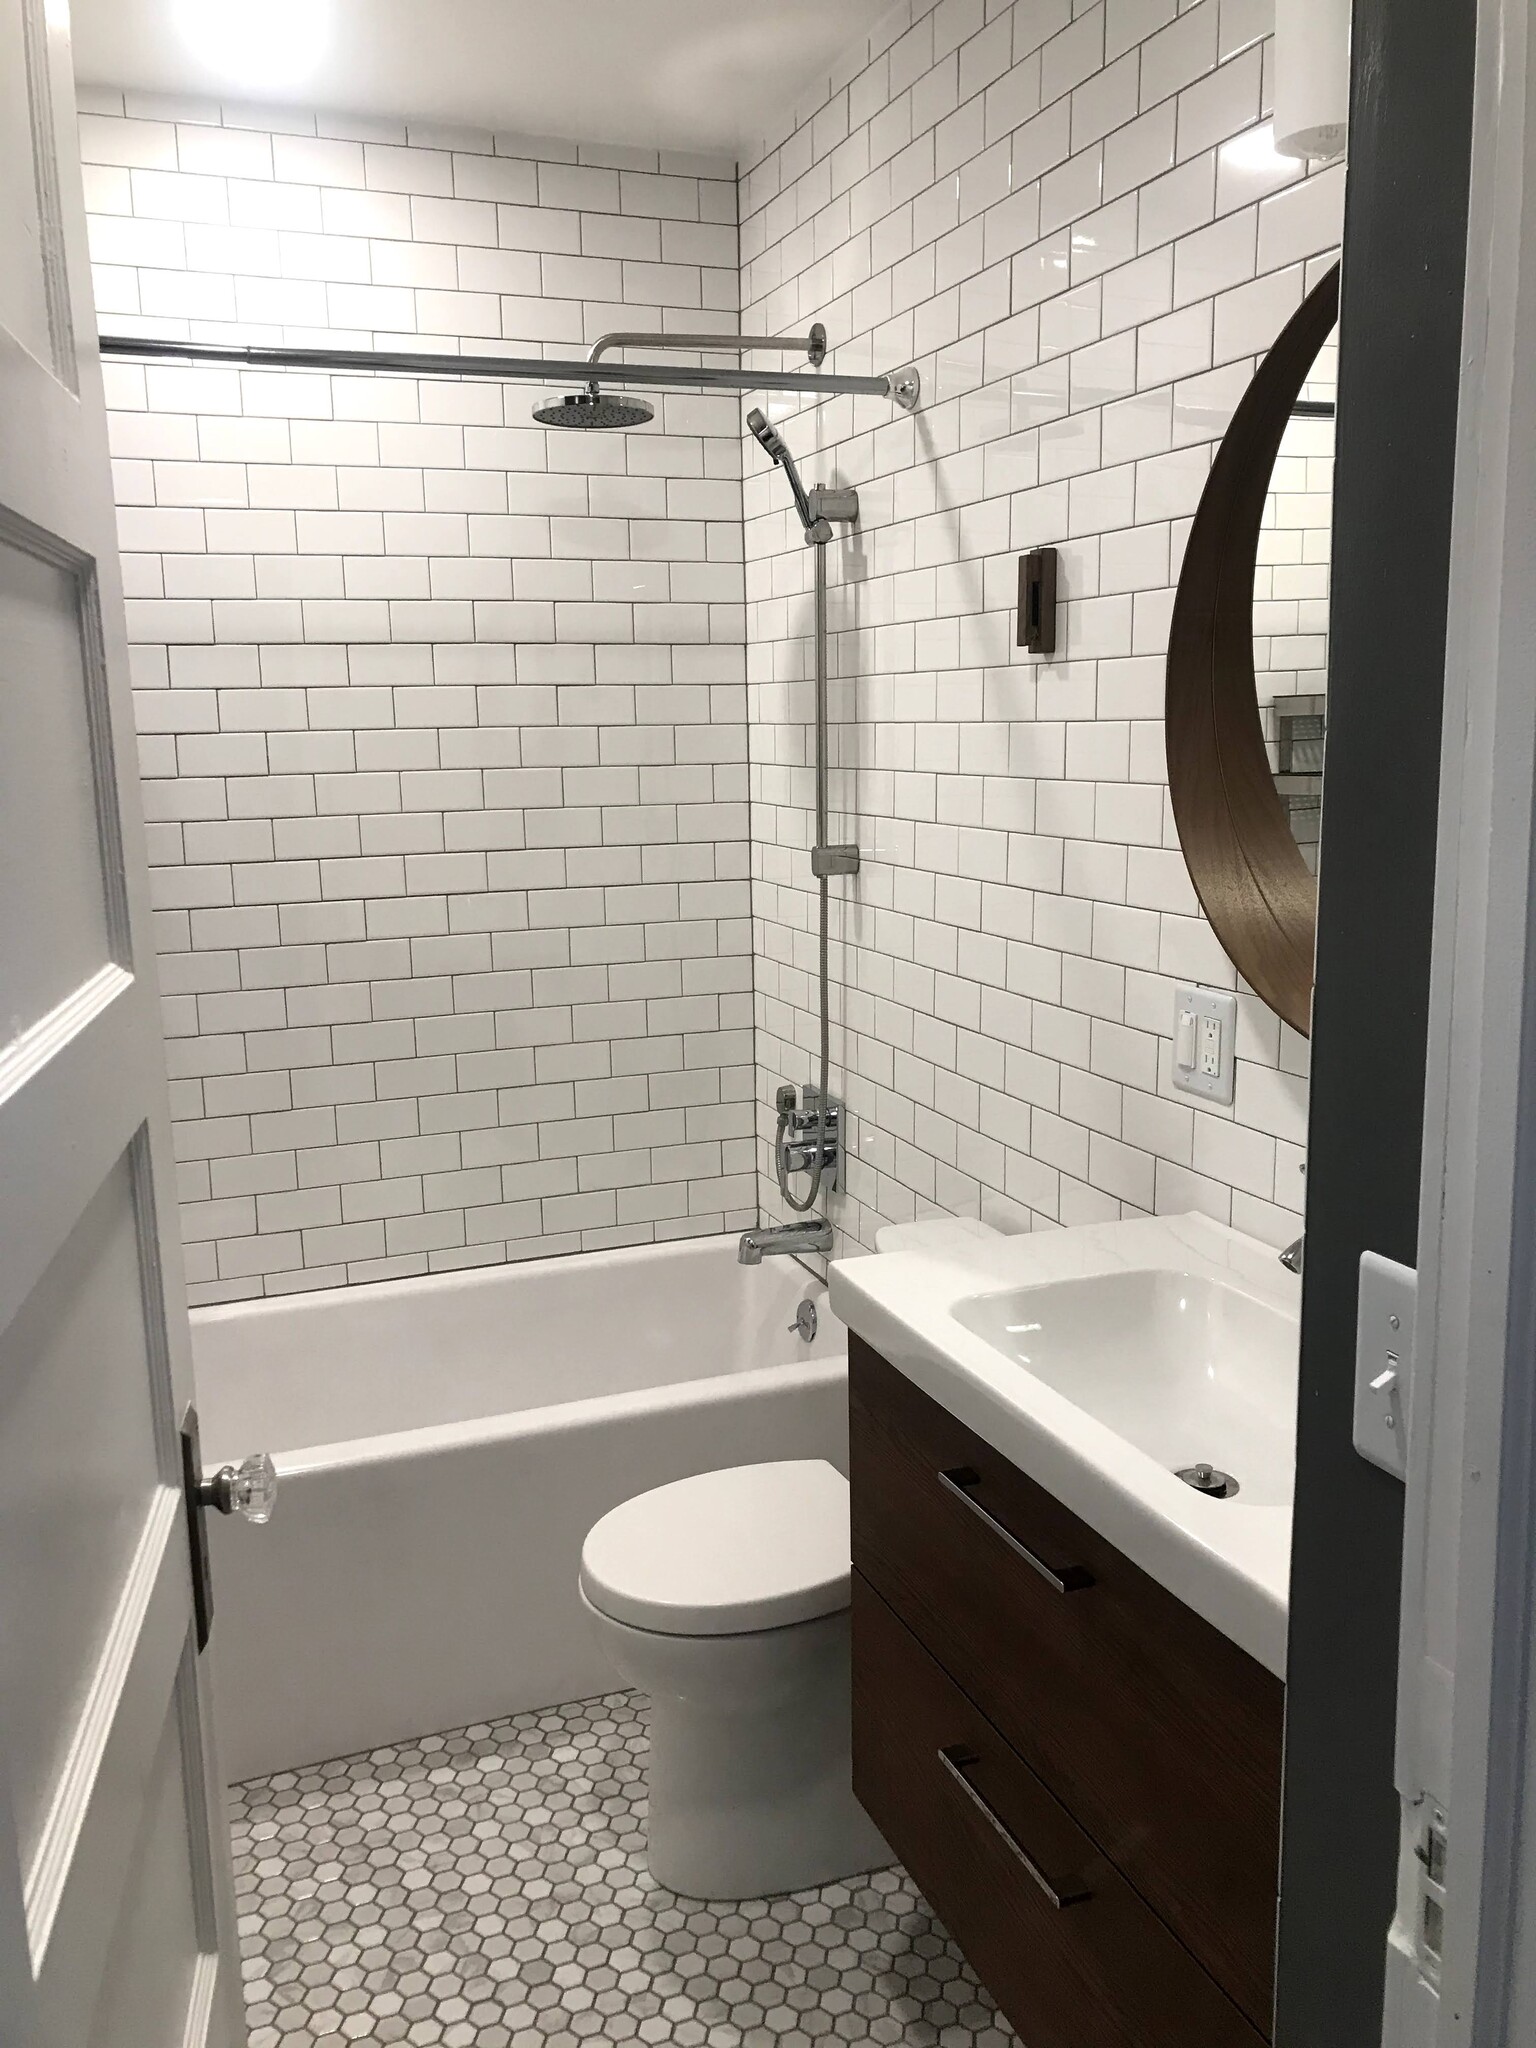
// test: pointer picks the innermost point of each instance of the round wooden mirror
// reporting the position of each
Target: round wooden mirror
(1252, 879)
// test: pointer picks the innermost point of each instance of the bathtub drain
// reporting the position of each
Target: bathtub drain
(1208, 1480)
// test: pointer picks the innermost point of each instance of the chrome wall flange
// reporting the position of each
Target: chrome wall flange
(906, 387)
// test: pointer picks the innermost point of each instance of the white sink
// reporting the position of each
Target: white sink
(1103, 1360)
(1189, 1369)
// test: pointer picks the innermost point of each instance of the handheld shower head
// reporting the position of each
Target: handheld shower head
(817, 530)
(768, 437)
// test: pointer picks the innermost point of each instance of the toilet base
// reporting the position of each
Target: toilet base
(750, 1781)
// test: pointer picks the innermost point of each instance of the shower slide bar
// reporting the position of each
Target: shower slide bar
(902, 386)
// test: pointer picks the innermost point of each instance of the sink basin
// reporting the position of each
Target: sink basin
(1105, 1359)
(1187, 1368)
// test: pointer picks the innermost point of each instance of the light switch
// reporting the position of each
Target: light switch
(1184, 1041)
(1205, 1042)
(1384, 1361)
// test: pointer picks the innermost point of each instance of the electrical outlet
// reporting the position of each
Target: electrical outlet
(1210, 1047)
(1205, 1042)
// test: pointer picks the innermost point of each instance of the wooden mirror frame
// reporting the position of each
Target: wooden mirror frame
(1247, 869)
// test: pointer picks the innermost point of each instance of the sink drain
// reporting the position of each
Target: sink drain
(1207, 1479)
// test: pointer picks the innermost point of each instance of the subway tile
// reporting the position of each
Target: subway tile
(1073, 56)
(1221, 105)
(1177, 55)
(1248, 318)
(1105, 102)
(1128, 22)
(1303, 220)
(1248, 169)
(1214, 259)
(505, 180)
(1141, 150)
(388, 167)
(1177, 203)
(141, 145)
(224, 152)
(1178, 346)
(176, 195)
(603, 912)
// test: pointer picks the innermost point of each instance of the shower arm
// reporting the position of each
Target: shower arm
(813, 345)
(902, 386)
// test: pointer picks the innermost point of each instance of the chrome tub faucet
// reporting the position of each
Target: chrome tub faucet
(781, 1239)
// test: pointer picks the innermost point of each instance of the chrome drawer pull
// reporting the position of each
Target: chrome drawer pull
(959, 1480)
(956, 1759)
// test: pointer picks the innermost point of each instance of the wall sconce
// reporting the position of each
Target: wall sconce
(1311, 77)
(1037, 601)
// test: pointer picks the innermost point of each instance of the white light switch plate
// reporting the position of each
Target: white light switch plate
(1205, 1042)
(1384, 1361)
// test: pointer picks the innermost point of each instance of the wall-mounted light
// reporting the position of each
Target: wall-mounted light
(255, 46)
(1037, 601)
(1311, 77)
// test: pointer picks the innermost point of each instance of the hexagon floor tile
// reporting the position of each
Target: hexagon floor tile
(488, 1889)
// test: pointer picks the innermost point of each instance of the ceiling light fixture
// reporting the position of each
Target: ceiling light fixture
(255, 46)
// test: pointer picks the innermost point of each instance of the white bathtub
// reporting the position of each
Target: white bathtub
(445, 1444)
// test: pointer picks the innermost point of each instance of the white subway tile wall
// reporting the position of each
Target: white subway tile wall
(442, 717)
(446, 721)
(1072, 217)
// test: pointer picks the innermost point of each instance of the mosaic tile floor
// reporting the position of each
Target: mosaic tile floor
(488, 1890)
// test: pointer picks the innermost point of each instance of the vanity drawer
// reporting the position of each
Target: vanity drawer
(1160, 1736)
(1066, 1947)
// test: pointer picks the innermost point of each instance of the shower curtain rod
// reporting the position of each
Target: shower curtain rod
(901, 386)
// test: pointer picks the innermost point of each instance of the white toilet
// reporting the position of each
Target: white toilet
(725, 1597)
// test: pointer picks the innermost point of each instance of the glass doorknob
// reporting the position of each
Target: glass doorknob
(248, 1489)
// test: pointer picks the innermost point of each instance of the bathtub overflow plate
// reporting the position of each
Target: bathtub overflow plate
(805, 1322)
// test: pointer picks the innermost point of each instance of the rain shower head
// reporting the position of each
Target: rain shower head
(593, 408)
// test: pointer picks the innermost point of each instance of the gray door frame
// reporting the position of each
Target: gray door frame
(1467, 1718)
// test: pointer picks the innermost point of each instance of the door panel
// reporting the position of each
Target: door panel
(52, 939)
(33, 293)
(79, 1474)
(155, 1958)
(116, 1904)
(79, 1863)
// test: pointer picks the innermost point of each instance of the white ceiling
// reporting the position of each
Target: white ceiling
(674, 74)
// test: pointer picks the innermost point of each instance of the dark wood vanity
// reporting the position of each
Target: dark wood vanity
(1082, 1775)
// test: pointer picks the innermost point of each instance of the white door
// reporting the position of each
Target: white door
(116, 1907)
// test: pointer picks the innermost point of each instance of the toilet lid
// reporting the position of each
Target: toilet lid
(723, 1553)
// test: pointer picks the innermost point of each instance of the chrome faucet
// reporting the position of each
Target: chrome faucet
(813, 1235)
(1291, 1257)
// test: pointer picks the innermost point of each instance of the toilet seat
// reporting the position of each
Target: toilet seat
(724, 1553)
